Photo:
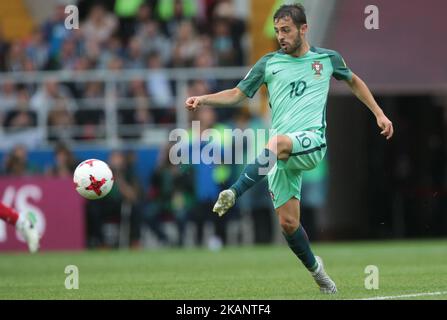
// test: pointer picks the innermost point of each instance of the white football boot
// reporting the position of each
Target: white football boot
(226, 200)
(320, 276)
(26, 225)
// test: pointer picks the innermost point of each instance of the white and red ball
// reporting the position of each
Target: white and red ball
(93, 179)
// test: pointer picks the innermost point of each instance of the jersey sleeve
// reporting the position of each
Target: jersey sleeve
(255, 78)
(341, 71)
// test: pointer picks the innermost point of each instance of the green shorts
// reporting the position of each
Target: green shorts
(285, 177)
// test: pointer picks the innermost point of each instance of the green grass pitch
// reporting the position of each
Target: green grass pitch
(272, 272)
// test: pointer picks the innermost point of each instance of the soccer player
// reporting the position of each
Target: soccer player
(297, 79)
(25, 224)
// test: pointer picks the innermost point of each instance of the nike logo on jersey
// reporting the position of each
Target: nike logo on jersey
(277, 71)
(246, 175)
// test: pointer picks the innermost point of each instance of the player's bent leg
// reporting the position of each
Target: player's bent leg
(281, 145)
(294, 233)
(278, 147)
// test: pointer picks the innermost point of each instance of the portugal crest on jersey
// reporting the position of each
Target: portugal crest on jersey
(317, 67)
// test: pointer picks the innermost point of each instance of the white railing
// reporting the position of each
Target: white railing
(111, 103)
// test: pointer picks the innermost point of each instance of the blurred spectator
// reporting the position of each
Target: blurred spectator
(186, 45)
(223, 44)
(141, 113)
(206, 60)
(135, 54)
(99, 25)
(120, 206)
(158, 84)
(37, 49)
(170, 196)
(78, 89)
(21, 117)
(94, 90)
(206, 47)
(173, 12)
(97, 55)
(15, 57)
(145, 15)
(4, 47)
(229, 26)
(16, 163)
(65, 162)
(28, 65)
(90, 115)
(111, 49)
(153, 40)
(46, 97)
(54, 29)
(8, 98)
(60, 121)
(68, 56)
(116, 64)
(135, 109)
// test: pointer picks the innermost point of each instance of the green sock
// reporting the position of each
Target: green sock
(299, 243)
(255, 172)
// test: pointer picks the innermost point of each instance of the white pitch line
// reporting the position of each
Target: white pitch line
(408, 295)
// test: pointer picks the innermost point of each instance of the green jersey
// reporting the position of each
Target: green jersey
(297, 87)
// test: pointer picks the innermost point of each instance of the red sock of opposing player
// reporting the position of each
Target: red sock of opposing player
(8, 214)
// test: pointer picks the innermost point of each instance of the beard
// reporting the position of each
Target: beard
(291, 48)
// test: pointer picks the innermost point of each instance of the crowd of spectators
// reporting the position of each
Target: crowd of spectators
(159, 34)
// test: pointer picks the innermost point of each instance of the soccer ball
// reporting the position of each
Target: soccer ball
(93, 179)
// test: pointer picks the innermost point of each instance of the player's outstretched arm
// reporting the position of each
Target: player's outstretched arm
(222, 98)
(361, 91)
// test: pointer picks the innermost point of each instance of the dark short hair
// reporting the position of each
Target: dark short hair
(295, 11)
